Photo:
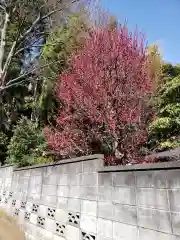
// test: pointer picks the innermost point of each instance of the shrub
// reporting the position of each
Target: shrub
(27, 139)
(105, 94)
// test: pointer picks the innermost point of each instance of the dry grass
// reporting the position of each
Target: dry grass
(8, 228)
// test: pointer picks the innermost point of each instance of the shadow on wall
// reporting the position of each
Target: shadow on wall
(8, 228)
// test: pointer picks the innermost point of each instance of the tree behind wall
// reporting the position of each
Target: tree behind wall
(105, 94)
(63, 42)
(164, 130)
(24, 27)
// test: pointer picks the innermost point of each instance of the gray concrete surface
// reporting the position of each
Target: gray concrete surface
(82, 200)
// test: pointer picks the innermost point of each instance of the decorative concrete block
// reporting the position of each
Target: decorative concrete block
(105, 210)
(88, 224)
(74, 204)
(87, 236)
(33, 218)
(123, 179)
(154, 219)
(41, 221)
(89, 207)
(35, 208)
(61, 215)
(74, 191)
(74, 218)
(125, 213)
(63, 179)
(60, 229)
(27, 216)
(89, 193)
(72, 233)
(49, 190)
(104, 228)
(174, 196)
(63, 191)
(124, 231)
(175, 217)
(124, 195)
(89, 179)
(153, 198)
(51, 212)
(151, 179)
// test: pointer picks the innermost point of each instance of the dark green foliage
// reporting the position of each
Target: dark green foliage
(60, 45)
(170, 70)
(27, 140)
(164, 131)
(3, 146)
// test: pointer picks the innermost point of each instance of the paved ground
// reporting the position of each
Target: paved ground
(8, 229)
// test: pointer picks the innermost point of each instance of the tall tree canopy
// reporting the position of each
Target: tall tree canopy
(105, 93)
(25, 27)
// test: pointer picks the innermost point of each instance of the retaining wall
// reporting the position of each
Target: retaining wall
(79, 199)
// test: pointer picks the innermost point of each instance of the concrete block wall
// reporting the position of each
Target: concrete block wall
(79, 199)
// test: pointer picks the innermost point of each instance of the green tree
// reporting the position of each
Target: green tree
(60, 45)
(25, 25)
(164, 130)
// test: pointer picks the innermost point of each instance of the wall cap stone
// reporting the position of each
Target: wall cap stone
(65, 161)
(7, 165)
(142, 167)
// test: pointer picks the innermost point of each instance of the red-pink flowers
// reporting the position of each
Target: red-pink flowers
(105, 97)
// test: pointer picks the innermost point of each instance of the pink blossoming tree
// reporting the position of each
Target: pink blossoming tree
(104, 97)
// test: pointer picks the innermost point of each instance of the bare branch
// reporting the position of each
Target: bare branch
(19, 80)
(26, 74)
(20, 38)
(3, 41)
(12, 85)
(7, 63)
(56, 10)
(30, 29)
(39, 18)
(3, 8)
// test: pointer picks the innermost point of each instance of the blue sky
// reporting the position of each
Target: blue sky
(158, 19)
